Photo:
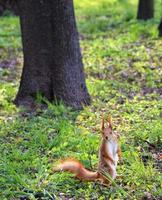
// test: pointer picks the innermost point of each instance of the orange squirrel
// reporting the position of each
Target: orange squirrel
(108, 157)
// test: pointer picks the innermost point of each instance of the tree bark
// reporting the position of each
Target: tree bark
(160, 28)
(52, 58)
(10, 5)
(2, 9)
(145, 9)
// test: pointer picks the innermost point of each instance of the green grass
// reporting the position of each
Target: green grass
(122, 59)
(9, 33)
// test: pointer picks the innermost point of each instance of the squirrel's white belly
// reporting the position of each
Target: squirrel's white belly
(112, 149)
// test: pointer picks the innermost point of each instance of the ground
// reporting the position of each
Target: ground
(123, 66)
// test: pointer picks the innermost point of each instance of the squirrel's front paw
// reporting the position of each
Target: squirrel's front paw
(113, 162)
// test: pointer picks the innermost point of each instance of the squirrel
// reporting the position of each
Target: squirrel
(109, 152)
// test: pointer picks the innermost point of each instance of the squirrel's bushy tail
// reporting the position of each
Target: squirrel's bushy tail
(76, 168)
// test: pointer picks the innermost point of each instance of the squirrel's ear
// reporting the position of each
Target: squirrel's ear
(109, 120)
(102, 124)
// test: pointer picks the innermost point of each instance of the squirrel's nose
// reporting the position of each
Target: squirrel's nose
(106, 138)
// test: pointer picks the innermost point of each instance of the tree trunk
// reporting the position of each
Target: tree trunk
(145, 9)
(160, 28)
(2, 9)
(52, 58)
(10, 5)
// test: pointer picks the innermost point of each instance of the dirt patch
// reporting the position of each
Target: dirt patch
(156, 154)
(10, 69)
(147, 90)
(9, 64)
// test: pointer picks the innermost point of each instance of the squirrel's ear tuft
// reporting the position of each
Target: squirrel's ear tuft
(109, 120)
(102, 123)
